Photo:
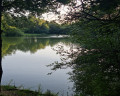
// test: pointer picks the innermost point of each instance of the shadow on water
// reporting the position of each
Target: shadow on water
(94, 72)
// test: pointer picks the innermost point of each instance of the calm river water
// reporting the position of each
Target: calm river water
(24, 62)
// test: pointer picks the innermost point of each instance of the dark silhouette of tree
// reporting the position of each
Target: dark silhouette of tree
(95, 62)
(0, 75)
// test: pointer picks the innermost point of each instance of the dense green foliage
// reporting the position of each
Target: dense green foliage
(18, 26)
(97, 67)
(9, 90)
(20, 8)
(9, 30)
(96, 57)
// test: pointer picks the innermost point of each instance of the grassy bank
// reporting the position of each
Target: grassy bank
(8, 90)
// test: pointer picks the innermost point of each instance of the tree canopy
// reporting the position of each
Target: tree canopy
(101, 10)
(32, 6)
(23, 25)
(95, 57)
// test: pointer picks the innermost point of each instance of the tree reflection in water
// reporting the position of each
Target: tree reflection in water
(27, 44)
(95, 72)
(32, 44)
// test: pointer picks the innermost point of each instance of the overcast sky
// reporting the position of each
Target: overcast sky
(51, 16)
(63, 10)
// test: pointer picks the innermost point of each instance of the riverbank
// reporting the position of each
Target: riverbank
(8, 90)
(40, 35)
(36, 35)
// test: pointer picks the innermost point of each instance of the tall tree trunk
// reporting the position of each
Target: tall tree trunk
(0, 76)
(0, 44)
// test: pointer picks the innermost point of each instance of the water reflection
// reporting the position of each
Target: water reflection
(10, 45)
(24, 61)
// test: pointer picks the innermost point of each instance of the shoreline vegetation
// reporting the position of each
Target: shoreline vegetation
(30, 25)
(10, 90)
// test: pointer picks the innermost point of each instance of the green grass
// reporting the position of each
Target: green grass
(8, 90)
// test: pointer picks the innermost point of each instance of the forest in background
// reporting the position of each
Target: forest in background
(22, 25)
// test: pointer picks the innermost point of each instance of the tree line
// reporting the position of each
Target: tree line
(20, 25)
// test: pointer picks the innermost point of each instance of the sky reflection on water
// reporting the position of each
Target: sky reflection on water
(29, 69)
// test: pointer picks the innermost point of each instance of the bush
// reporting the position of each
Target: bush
(13, 31)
